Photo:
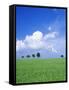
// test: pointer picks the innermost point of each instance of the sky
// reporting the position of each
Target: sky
(40, 30)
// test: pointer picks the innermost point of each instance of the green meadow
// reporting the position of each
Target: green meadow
(40, 70)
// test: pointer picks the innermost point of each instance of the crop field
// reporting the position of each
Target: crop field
(40, 70)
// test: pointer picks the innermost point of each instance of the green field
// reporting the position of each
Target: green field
(40, 70)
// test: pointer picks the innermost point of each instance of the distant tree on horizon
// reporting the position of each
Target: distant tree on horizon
(22, 56)
(33, 55)
(38, 54)
(62, 56)
(28, 56)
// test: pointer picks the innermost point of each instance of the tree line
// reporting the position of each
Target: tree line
(33, 55)
(37, 55)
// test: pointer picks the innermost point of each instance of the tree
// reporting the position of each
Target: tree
(38, 54)
(33, 55)
(62, 56)
(22, 56)
(28, 56)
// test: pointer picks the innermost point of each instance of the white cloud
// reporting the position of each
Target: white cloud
(54, 50)
(49, 28)
(37, 41)
(37, 36)
(50, 35)
(19, 45)
(34, 41)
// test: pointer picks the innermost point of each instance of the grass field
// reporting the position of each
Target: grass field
(37, 70)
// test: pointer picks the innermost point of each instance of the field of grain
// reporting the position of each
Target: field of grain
(40, 70)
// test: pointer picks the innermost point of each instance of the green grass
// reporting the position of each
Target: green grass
(37, 70)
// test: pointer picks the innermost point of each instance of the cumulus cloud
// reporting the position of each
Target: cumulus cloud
(20, 44)
(37, 41)
(51, 35)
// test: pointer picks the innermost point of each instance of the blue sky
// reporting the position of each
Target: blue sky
(43, 26)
